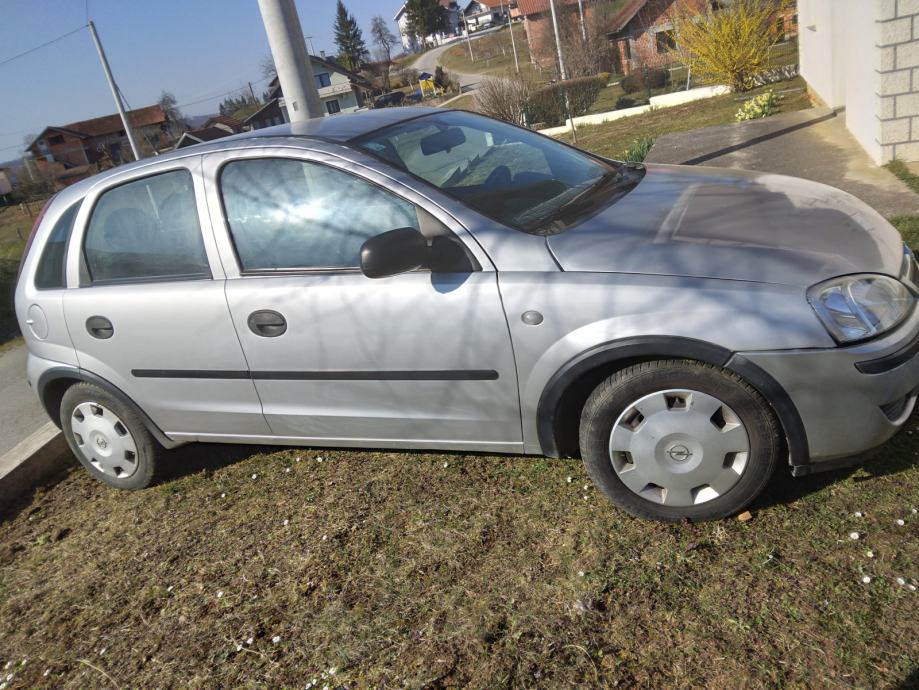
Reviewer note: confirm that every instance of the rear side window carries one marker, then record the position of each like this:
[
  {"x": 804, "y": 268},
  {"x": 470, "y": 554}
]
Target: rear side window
[
  {"x": 291, "y": 214},
  {"x": 147, "y": 229},
  {"x": 51, "y": 266}
]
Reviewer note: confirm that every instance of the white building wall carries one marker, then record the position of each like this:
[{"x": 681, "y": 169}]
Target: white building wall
[{"x": 863, "y": 55}]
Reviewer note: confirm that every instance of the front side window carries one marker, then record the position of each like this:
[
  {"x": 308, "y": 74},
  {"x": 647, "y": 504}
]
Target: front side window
[
  {"x": 507, "y": 173},
  {"x": 146, "y": 230},
  {"x": 293, "y": 214}
]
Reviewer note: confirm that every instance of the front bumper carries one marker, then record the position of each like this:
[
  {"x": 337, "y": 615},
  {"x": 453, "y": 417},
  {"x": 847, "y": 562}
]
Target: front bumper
[{"x": 850, "y": 399}]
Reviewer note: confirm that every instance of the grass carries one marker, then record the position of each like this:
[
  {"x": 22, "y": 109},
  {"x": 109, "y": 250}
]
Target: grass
[
  {"x": 612, "y": 138},
  {"x": 428, "y": 570},
  {"x": 493, "y": 55},
  {"x": 14, "y": 230}
]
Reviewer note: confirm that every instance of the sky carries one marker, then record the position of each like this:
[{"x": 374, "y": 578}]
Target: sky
[{"x": 197, "y": 49}]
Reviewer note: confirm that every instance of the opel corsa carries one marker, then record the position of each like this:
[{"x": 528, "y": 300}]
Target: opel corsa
[{"x": 421, "y": 278}]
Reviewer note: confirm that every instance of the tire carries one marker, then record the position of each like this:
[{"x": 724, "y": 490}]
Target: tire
[
  {"x": 108, "y": 439},
  {"x": 670, "y": 460}
]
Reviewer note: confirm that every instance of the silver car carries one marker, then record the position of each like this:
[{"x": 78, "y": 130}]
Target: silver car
[{"x": 421, "y": 278}]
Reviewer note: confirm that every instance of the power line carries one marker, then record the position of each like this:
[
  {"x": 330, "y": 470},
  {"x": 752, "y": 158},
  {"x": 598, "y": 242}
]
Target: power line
[
  {"x": 218, "y": 95},
  {"x": 43, "y": 45}
]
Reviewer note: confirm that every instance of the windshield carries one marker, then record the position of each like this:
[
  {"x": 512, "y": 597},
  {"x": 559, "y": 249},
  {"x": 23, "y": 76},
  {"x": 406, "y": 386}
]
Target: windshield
[{"x": 525, "y": 180}]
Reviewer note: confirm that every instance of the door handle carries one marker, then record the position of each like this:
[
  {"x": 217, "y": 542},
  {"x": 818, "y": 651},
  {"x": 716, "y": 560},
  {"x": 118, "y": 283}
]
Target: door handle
[
  {"x": 267, "y": 323},
  {"x": 100, "y": 327}
]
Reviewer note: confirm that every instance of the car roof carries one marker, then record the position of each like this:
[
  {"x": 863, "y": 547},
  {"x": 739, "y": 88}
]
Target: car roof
[{"x": 336, "y": 129}]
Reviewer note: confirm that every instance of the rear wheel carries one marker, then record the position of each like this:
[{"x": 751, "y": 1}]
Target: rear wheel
[
  {"x": 108, "y": 438},
  {"x": 676, "y": 439}
]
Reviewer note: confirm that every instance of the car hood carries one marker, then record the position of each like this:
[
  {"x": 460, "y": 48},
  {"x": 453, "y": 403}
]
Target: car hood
[{"x": 718, "y": 223}]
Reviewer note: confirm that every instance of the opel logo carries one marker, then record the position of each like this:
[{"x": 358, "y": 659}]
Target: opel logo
[{"x": 680, "y": 453}]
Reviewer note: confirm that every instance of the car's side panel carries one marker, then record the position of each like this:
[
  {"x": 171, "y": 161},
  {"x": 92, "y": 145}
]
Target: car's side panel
[{"x": 729, "y": 314}]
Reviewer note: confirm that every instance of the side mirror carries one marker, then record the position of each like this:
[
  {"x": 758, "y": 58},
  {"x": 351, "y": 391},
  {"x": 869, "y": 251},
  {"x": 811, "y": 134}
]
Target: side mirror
[{"x": 394, "y": 252}]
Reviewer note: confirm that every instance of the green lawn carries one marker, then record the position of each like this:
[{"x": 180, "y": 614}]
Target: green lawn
[
  {"x": 493, "y": 55},
  {"x": 612, "y": 138},
  {"x": 439, "y": 571}
]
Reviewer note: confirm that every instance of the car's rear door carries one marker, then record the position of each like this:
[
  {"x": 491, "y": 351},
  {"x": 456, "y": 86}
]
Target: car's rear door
[
  {"x": 420, "y": 359},
  {"x": 146, "y": 308}
]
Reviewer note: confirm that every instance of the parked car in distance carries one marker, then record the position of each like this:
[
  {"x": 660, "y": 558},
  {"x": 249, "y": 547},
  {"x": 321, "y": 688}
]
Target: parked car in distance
[
  {"x": 389, "y": 100},
  {"x": 435, "y": 279}
]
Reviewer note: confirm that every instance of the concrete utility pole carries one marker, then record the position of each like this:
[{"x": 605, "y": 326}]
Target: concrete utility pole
[
  {"x": 510, "y": 24},
  {"x": 115, "y": 94},
  {"x": 468, "y": 40},
  {"x": 561, "y": 68},
  {"x": 285, "y": 37},
  {"x": 581, "y": 13}
]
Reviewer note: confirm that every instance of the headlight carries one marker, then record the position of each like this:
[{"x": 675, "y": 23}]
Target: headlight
[{"x": 860, "y": 306}]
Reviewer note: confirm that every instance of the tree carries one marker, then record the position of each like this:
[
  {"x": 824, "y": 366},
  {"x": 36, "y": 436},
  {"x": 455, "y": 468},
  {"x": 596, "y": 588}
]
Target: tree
[
  {"x": 425, "y": 17},
  {"x": 727, "y": 43},
  {"x": 384, "y": 40},
  {"x": 170, "y": 108},
  {"x": 267, "y": 67},
  {"x": 352, "y": 51}
]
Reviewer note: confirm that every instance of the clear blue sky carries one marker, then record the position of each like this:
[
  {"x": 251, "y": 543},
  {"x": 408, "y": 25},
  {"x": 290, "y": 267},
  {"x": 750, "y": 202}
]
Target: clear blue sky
[{"x": 196, "y": 49}]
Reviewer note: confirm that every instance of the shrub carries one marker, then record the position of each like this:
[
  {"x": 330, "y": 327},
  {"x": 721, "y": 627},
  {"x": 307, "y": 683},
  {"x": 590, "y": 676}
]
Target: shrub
[
  {"x": 625, "y": 102},
  {"x": 757, "y": 107},
  {"x": 547, "y": 105},
  {"x": 638, "y": 150},
  {"x": 636, "y": 81},
  {"x": 505, "y": 99}
]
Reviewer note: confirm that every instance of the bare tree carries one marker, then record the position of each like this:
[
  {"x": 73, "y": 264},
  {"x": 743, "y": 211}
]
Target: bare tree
[
  {"x": 267, "y": 67},
  {"x": 384, "y": 40},
  {"x": 505, "y": 99}
]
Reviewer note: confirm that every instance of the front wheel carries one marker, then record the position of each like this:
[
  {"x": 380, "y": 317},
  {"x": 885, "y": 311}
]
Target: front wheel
[{"x": 676, "y": 439}]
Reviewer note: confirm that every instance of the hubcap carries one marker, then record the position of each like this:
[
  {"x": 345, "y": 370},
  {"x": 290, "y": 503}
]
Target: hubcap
[
  {"x": 679, "y": 447},
  {"x": 103, "y": 440}
]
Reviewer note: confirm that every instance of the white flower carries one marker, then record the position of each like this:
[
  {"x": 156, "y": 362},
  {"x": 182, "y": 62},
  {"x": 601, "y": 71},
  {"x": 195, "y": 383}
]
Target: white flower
[
  {"x": 325, "y": 537},
  {"x": 866, "y": 579},
  {"x": 901, "y": 522},
  {"x": 857, "y": 514},
  {"x": 239, "y": 648},
  {"x": 914, "y": 511},
  {"x": 901, "y": 581},
  {"x": 223, "y": 495},
  {"x": 446, "y": 464},
  {"x": 298, "y": 458},
  {"x": 332, "y": 670},
  {"x": 318, "y": 459},
  {"x": 102, "y": 651},
  {"x": 569, "y": 480},
  {"x": 286, "y": 522},
  {"x": 580, "y": 573},
  {"x": 911, "y": 588},
  {"x": 249, "y": 640},
  {"x": 853, "y": 535},
  {"x": 276, "y": 639},
  {"x": 255, "y": 476},
  {"x": 869, "y": 554},
  {"x": 220, "y": 595},
  {"x": 170, "y": 588},
  {"x": 3, "y": 684},
  {"x": 47, "y": 672}
]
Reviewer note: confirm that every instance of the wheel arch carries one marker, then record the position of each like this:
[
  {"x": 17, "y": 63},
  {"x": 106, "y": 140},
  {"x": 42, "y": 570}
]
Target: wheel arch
[
  {"x": 563, "y": 397},
  {"x": 54, "y": 382}
]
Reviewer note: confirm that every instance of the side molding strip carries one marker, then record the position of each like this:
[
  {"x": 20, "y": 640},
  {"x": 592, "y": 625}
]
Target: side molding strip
[{"x": 325, "y": 375}]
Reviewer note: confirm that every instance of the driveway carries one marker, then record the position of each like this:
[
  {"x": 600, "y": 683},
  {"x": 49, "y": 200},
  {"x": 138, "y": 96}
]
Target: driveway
[
  {"x": 429, "y": 61},
  {"x": 20, "y": 412},
  {"x": 813, "y": 144}
]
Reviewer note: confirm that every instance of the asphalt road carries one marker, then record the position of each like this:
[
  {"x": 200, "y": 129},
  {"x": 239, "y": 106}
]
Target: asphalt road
[
  {"x": 428, "y": 61},
  {"x": 20, "y": 412}
]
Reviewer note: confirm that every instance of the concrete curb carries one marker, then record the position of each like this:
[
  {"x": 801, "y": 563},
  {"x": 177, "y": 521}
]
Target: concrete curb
[{"x": 33, "y": 462}]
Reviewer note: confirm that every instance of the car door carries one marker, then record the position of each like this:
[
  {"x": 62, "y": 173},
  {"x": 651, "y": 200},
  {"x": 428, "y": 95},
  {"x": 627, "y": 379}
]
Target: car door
[
  {"x": 421, "y": 359},
  {"x": 146, "y": 310}
]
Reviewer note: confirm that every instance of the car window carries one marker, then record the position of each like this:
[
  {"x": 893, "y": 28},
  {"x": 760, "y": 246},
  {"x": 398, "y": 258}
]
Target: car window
[
  {"x": 508, "y": 173},
  {"x": 49, "y": 274},
  {"x": 291, "y": 214},
  {"x": 147, "y": 229}
]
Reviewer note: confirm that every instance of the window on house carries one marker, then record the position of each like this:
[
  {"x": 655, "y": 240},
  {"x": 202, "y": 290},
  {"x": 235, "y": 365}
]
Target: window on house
[
  {"x": 323, "y": 79},
  {"x": 627, "y": 49},
  {"x": 332, "y": 106},
  {"x": 292, "y": 214},
  {"x": 146, "y": 230},
  {"x": 665, "y": 41}
]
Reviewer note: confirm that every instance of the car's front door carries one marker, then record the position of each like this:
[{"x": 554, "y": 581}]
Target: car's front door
[
  {"x": 146, "y": 310},
  {"x": 420, "y": 359}
]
